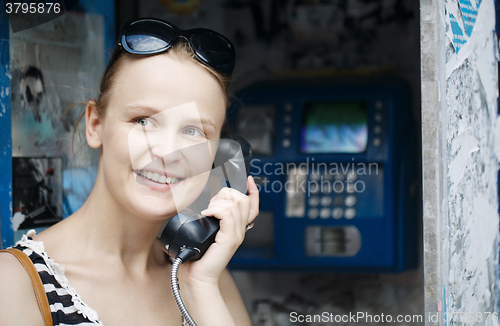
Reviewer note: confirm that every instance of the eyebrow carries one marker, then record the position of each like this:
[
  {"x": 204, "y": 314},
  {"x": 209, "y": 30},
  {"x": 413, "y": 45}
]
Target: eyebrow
[
  {"x": 143, "y": 109},
  {"x": 147, "y": 110}
]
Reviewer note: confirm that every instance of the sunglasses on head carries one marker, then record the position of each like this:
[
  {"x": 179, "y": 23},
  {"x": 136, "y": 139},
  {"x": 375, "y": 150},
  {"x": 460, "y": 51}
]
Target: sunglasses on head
[{"x": 151, "y": 36}]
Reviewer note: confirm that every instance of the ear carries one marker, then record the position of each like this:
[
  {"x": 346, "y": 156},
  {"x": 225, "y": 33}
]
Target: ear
[{"x": 93, "y": 125}]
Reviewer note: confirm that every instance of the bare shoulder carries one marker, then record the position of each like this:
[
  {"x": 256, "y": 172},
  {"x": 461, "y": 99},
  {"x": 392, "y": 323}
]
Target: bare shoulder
[
  {"x": 233, "y": 300},
  {"x": 18, "y": 305}
]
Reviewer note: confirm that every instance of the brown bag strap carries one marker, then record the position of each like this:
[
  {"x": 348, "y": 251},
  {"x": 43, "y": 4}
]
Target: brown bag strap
[{"x": 41, "y": 297}]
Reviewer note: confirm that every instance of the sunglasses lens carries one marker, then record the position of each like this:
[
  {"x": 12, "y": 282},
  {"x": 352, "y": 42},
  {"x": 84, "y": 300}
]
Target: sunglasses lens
[
  {"x": 214, "y": 51},
  {"x": 149, "y": 37}
]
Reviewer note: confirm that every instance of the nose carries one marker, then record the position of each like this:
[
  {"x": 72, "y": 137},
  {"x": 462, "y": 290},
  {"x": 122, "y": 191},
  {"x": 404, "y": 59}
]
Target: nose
[{"x": 163, "y": 144}]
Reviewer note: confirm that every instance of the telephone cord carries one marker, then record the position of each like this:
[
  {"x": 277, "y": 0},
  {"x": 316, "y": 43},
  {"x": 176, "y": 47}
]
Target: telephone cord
[{"x": 177, "y": 293}]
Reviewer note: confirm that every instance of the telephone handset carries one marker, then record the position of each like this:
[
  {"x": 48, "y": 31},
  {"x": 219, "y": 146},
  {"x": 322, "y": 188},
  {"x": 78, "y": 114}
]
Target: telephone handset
[
  {"x": 188, "y": 235},
  {"x": 193, "y": 231}
]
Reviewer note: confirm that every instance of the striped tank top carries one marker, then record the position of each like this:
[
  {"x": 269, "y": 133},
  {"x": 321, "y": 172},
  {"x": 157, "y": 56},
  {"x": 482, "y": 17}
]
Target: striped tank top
[{"x": 66, "y": 306}]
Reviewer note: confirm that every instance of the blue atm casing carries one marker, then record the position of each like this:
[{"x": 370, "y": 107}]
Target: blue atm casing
[{"x": 337, "y": 166}]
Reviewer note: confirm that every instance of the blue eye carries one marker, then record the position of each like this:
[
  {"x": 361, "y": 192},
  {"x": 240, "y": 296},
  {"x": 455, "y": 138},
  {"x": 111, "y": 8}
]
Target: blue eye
[
  {"x": 143, "y": 122},
  {"x": 193, "y": 132}
]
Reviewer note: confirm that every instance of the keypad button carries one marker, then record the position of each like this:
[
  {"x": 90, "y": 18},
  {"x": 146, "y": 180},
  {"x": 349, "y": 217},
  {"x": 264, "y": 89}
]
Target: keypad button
[
  {"x": 314, "y": 189},
  {"x": 378, "y": 117},
  {"x": 325, "y": 213},
  {"x": 327, "y": 176},
  {"x": 337, "y": 213},
  {"x": 377, "y": 142},
  {"x": 379, "y": 105},
  {"x": 313, "y": 213},
  {"x": 287, "y": 131},
  {"x": 326, "y": 201},
  {"x": 352, "y": 176},
  {"x": 286, "y": 143},
  {"x": 377, "y": 129},
  {"x": 339, "y": 176},
  {"x": 287, "y": 118},
  {"x": 350, "y": 188},
  {"x": 288, "y": 106},
  {"x": 326, "y": 188},
  {"x": 315, "y": 176},
  {"x": 314, "y": 201},
  {"x": 350, "y": 213},
  {"x": 338, "y": 187},
  {"x": 350, "y": 201},
  {"x": 338, "y": 201}
]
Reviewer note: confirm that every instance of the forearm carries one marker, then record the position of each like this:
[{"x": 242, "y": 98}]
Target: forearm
[{"x": 206, "y": 305}]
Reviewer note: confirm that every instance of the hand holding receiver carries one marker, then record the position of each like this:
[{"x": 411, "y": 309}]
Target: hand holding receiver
[
  {"x": 188, "y": 235},
  {"x": 193, "y": 231}
]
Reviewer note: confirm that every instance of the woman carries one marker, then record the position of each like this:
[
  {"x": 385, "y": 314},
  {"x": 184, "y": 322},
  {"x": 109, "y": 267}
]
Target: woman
[{"x": 160, "y": 94}]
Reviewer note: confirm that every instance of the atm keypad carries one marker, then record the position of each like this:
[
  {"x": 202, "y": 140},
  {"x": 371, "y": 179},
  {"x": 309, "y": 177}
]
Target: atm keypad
[{"x": 332, "y": 195}]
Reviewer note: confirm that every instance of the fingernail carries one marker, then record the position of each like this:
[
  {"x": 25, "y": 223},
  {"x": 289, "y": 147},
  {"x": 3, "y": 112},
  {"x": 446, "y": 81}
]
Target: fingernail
[{"x": 203, "y": 212}]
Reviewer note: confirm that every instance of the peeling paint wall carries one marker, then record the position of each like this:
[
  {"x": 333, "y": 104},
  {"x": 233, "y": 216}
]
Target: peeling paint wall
[
  {"x": 459, "y": 124},
  {"x": 471, "y": 109}
]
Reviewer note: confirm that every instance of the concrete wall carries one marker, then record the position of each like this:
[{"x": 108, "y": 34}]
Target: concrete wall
[{"x": 459, "y": 114}]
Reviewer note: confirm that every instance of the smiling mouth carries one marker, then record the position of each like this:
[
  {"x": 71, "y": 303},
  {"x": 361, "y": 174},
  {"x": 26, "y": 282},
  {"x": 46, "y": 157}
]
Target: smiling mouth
[{"x": 155, "y": 177}]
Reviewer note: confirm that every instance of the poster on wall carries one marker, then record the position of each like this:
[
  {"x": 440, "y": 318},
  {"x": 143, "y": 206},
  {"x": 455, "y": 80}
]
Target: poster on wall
[
  {"x": 54, "y": 66},
  {"x": 37, "y": 192},
  {"x": 55, "y": 69}
]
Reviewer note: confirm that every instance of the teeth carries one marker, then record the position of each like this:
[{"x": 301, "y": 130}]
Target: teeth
[{"x": 156, "y": 177}]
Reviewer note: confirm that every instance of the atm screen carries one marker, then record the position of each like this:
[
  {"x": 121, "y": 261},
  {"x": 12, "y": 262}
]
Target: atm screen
[{"x": 334, "y": 127}]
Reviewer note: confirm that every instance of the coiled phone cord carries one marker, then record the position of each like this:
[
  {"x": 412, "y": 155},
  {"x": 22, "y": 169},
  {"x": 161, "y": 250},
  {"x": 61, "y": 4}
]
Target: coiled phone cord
[{"x": 175, "y": 287}]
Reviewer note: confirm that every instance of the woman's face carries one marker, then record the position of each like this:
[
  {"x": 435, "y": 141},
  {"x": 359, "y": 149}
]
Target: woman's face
[{"x": 159, "y": 133}]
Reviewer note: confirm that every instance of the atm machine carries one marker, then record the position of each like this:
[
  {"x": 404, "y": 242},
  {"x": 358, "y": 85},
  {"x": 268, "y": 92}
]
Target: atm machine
[{"x": 337, "y": 166}]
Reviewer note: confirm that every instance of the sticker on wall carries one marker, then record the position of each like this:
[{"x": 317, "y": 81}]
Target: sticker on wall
[
  {"x": 37, "y": 192},
  {"x": 31, "y": 91},
  {"x": 462, "y": 16},
  {"x": 181, "y": 7}
]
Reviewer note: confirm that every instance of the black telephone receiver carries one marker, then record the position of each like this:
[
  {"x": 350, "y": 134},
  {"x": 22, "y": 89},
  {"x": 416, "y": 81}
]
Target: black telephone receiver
[{"x": 193, "y": 231}]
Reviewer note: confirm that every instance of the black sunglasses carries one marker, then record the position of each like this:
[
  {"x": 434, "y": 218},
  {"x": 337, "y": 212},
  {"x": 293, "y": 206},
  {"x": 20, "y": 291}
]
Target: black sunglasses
[{"x": 150, "y": 36}]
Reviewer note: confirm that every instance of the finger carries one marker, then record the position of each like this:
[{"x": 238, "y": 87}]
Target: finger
[
  {"x": 253, "y": 194},
  {"x": 231, "y": 224},
  {"x": 226, "y": 209},
  {"x": 217, "y": 206},
  {"x": 228, "y": 193},
  {"x": 242, "y": 200}
]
